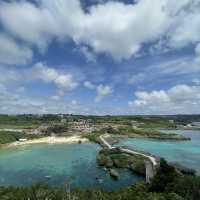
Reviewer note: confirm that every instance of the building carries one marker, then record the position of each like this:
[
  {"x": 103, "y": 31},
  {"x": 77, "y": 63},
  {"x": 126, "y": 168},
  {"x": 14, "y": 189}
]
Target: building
[
  {"x": 136, "y": 123},
  {"x": 81, "y": 126},
  {"x": 40, "y": 130}
]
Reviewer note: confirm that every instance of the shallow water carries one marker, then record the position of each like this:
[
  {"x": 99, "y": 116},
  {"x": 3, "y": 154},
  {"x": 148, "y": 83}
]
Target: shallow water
[
  {"x": 186, "y": 153},
  {"x": 58, "y": 165}
]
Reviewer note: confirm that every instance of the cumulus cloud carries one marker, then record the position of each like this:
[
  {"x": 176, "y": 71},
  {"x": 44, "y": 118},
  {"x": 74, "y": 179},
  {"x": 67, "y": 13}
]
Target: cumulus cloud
[
  {"x": 178, "y": 99},
  {"x": 17, "y": 103},
  {"x": 112, "y": 27},
  {"x": 64, "y": 81},
  {"x": 27, "y": 22},
  {"x": 13, "y": 53},
  {"x": 103, "y": 91},
  {"x": 89, "y": 85},
  {"x": 186, "y": 23}
]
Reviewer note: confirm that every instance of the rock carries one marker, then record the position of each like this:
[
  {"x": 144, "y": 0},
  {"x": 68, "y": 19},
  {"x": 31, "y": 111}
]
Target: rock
[
  {"x": 79, "y": 141},
  {"x": 103, "y": 160},
  {"x": 114, "y": 174}
]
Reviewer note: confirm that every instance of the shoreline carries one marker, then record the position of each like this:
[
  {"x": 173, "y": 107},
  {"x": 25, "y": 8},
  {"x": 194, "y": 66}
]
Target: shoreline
[{"x": 49, "y": 140}]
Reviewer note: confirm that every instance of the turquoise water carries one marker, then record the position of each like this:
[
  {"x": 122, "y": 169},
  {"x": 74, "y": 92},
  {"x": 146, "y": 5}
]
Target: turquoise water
[
  {"x": 58, "y": 164},
  {"x": 184, "y": 152}
]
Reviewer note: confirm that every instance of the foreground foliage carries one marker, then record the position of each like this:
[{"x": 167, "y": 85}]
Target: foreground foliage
[{"x": 42, "y": 192}]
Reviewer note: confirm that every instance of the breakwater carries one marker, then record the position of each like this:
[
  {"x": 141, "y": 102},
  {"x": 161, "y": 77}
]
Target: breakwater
[{"x": 151, "y": 162}]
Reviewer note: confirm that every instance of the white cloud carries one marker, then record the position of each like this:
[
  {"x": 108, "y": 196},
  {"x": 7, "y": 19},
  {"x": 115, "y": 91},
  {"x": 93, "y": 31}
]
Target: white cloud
[
  {"x": 55, "y": 97},
  {"x": 18, "y": 103},
  {"x": 115, "y": 28},
  {"x": 89, "y": 85},
  {"x": 178, "y": 99},
  {"x": 64, "y": 81},
  {"x": 27, "y": 22},
  {"x": 90, "y": 56},
  {"x": 196, "y": 81},
  {"x": 186, "y": 23},
  {"x": 9, "y": 75},
  {"x": 102, "y": 92},
  {"x": 136, "y": 78},
  {"x": 13, "y": 53},
  {"x": 74, "y": 103}
]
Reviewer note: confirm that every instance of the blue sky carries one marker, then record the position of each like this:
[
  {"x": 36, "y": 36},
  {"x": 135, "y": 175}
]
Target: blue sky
[{"x": 100, "y": 57}]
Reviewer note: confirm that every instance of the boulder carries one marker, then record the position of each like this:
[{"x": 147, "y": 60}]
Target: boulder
[{"x": 114, "y": 174}]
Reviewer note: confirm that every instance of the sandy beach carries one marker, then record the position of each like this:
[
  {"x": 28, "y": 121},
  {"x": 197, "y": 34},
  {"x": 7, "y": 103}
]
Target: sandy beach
[{"x": 50, "y": 140}]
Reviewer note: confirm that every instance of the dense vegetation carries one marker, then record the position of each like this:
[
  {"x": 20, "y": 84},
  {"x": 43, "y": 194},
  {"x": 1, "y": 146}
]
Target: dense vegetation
[
  {"x": 149, "y": 133},
  {"x": 8, "y": 137},
  {"x": 26, "y": 121},
  {"x": 130, "y": 131},
  {"x": 167, "y": 185}
]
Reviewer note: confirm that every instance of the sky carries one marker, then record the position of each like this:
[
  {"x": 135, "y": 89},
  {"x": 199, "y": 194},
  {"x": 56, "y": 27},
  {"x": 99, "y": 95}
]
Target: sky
[{"x": 100, "y": 57}]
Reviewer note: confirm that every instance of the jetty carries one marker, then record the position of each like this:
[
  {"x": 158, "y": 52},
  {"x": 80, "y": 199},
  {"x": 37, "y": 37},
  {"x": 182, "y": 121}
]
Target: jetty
[{"x": 150, "y": 162}]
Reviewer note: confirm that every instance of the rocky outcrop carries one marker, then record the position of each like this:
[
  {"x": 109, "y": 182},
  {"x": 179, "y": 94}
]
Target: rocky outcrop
[
  {"x": 104, "y": 160},
  {"x": 114, "y": 173}
]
